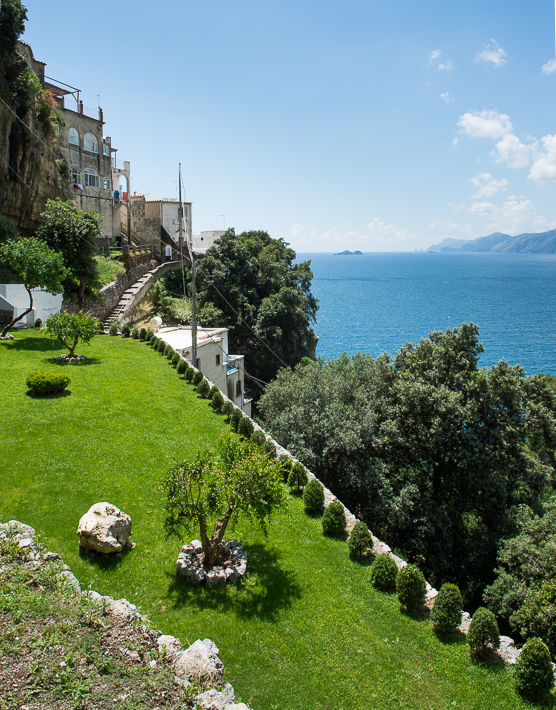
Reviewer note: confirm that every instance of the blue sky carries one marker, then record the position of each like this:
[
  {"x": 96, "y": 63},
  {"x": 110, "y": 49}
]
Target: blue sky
[{"x": 380, "y": 126}]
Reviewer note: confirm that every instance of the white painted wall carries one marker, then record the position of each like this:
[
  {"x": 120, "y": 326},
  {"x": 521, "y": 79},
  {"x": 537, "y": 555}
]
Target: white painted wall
[{"x": 44, "y": 303}]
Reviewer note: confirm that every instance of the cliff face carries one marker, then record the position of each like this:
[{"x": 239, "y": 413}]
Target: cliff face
[{"x": 29, "y": 174}]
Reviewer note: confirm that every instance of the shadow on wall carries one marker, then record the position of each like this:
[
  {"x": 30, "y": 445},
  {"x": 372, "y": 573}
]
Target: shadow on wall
[{"x": 266, "y": 591}]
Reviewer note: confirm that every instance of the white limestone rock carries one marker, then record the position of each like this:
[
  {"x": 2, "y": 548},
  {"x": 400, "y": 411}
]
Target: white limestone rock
[
  {"x": 216, "y": 700},
  {"x": 169, "y": 644},
  {"x": 122, "y": 608},
  {"x": 104, "y": 528},
  {"x": 200, "y": 663}
]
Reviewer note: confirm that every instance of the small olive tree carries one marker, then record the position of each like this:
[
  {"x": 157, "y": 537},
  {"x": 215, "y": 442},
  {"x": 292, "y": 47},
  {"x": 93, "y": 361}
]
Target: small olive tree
[
  {"x": 237, "y": 479},
  {"x": 70, "y": 328},
  {"x": 37, "y": 266}
]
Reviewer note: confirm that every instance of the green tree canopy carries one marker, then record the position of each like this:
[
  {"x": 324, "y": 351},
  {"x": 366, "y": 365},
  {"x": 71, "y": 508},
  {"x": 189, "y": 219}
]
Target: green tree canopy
[
  {"x": 264, "y": 299},
  {"x": 431, "y": 452},
  {"x": 73, "y": 232},
  {"x": 236, "y": 479},
  {"x": 36, "y": 265},
  {"x": 12, "y": 24},
  {"x": 71, "y": 328}
]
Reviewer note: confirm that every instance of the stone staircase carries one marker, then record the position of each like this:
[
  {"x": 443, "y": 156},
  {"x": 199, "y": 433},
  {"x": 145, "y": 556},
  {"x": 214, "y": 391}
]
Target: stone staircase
[{"x": 130, "y": 295}]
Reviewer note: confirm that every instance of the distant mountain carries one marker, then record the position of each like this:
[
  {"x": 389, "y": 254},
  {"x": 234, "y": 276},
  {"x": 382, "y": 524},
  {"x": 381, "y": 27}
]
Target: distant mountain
[
  {"x": 537, "y": 243},
  {"x": 349, "y": 253},
  {"x": 449, "y": 242}
]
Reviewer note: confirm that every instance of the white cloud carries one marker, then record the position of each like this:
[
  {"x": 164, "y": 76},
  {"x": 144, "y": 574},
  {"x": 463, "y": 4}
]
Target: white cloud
[
  {"x": 513, "y": 152},
  {"x": 298, "y": 230},
  {"x": 540, "y": 224},
  {"x": 492, "y": 54},
  {"x": 485, "y": 124},
  {"x": 544, "y": 166},
  {"x": 446, "y": 65},
  {"x": 381, "y": 232},
  {"x": 446, "y": 97},
  {"x": 487, "y": 185},
  {"x": 549, "y": 67},
  {"x": 460, "y": 207},
  {"x": 513, "y": 217},
  {"x": 450, "y": 227}
]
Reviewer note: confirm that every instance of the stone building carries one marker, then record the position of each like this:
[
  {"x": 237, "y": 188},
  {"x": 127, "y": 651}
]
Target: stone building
[{"x": 99, "y": 181}]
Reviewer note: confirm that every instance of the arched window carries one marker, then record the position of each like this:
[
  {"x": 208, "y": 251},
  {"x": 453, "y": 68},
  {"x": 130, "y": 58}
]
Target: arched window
[
  {"x": 238, "y": 388},
  {"x": 90, "y": 143},
  {"x": 73, "y": 136},
  {"x": 91, "y": 177}
]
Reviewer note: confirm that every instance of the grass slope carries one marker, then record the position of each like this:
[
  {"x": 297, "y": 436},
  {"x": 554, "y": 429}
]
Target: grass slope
[{"x": 304, "y": 631}]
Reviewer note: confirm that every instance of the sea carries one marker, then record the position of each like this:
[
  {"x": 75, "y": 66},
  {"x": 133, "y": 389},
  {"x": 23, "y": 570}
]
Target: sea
[{"x": 377, "y": 302}]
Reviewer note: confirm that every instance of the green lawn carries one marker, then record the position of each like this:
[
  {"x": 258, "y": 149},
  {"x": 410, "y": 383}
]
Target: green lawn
[{"x": 304, "y": 631}]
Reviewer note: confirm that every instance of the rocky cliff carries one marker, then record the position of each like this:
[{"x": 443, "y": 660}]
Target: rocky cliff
[{"x": 29, "y": 171}]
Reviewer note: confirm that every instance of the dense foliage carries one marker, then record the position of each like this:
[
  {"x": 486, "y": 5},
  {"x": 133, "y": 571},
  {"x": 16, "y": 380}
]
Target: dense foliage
[
  {"x": 383, "y": 573},
  {"x": 313, "y": 496},
  {"x": 534, "y": 675},
  {"x": 410, "y": 587},
  {"x": 447, "y": 609},
  {"x": 297, "y": 477},
  {"x": 73, "y": 232},
  {"x": 36, "y": 265},
  {"x": 12, "y": 24},
  {"x": 249, "y": 283},
  {"x": 72, "y": 328},
  {"x": 334, "y": 519},
  {"x": 431, "y": 452},
  {"x": 524, "y": 591},
  {"x": 47, "y": 382},
  {"x": 483, "y": 635},
  {"x": 360, "y": 540},
  {"x": 235, "y": 479}
]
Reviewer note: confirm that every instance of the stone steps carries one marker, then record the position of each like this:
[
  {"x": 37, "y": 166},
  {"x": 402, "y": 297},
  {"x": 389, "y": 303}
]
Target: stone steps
[{"x": 126, "y": 297}]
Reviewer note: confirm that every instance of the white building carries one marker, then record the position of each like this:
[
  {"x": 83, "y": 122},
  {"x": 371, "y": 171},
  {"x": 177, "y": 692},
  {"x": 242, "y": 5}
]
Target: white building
[
  {"x": 226, "y": 371},
  {"x": 15, "y": 299}
]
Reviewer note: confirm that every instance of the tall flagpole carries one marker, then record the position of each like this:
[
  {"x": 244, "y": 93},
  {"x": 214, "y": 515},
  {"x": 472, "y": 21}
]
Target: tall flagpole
[{"x": 180, "y": 229}]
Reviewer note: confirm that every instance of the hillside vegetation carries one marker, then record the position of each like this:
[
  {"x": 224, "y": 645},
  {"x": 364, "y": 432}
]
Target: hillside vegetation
[{"x": 304, "y": 631}]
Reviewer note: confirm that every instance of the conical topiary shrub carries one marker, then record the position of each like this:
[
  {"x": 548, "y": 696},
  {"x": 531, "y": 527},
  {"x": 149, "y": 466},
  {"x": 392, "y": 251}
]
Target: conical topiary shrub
[
  {"x": 298, "y": 477},
  {"x": 383, "y": 573},
  {"x": 359, "y": 541},
  {"x": 334, "y": 519},
  {"x": 483, "y": 635},
  {"x": 534, "y": 676},
  {"x": 411, "y": 587},
  {"x": 313, "y": 496},
  {"x": 447, "y": 609}
]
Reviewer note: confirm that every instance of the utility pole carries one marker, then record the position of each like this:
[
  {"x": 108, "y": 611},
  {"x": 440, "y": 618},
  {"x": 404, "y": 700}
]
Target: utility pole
[
  {"x": 194, "y": 292},
  {"x": 180, "y": 240}
]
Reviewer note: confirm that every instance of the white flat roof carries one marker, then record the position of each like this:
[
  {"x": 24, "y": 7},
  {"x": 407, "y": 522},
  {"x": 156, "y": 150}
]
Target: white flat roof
[{"x": 179, "y": 337}]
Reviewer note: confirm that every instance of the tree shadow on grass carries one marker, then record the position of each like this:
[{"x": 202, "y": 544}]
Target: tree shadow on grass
[
  {"x": 455, "y": 638},
  {"x": 36, "y": 343},
  {"x": 56, "y": 395},
  {"x": 71, "y": 365},
  {"x": 267, "y": 589},
  {"x": 103, "y": 561}
]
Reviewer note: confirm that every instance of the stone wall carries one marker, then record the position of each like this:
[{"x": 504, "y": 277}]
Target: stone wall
[{"x": 110, "y": 294}]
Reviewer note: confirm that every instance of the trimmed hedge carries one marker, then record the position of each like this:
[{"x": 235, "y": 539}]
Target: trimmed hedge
[
  {"x": 189, "y": 373},
  {"x": 197, "y": 377},
  {"x": 313, "y": 496},
  {"x": 383, "y": 573},
  {"x": 483, "y": 634},
  {"x": 235, "y": 418},
  {"x": 114, "y": 328},
  {"x": 47, "y": 382},
  {"x": 176, "y": 359},
  {"x": 298, "y": 477},
  {"x": 213, "y": 390},
  {"x": 143, "y": 334},
  {"x": 447, "y": 609},
  {"x": 411, "y": 587},
  {"x": 217, "y": 401},
  {"x": 533, "y": 674},
  {"x": 38, "y": 323},
  {"x": 258, "y": 438},
  {"x": 334, "y": 519},
  {"x": 245, "y": 428},
  {"x": 228, "y": 408},
  {"x": 203, "y": 388},
  {"x": 270, "y": 448},
  {"x": 183, "y": 367},
  {"x": 135, "y": 333},
  {"x": 359, "y": 541},
  {"x": 286, "y": 465}
]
